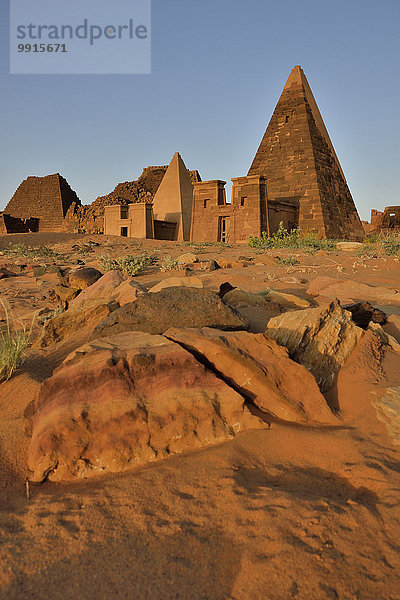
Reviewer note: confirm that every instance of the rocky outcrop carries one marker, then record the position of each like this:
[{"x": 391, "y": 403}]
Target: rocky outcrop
[
  {"x": 75, "y": 321},
  {"x": 113, "y": 286},
  {"x": 260, "y": 370},
  {"x": 119, "y": 402},
  {"x": 363, "y": 313},
  {"x": 321, "y": 339},
  {"x": 83, "y": 277},
  {"x": 172, "y": 307}
]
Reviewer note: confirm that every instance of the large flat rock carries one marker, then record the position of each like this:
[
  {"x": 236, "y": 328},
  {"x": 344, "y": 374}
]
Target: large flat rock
[{"x": 126, "y": 400}]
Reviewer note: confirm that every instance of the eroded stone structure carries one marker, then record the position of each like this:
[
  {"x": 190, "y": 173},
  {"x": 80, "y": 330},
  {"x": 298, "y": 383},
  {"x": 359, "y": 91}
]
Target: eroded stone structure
[
  {"x": 40, "y": 204},
  {"x": 297, "y": 157},
  {"x": 383, "y": 221}
]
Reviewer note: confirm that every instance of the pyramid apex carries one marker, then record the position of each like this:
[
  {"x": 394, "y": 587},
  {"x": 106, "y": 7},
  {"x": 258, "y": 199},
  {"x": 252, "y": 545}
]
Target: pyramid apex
[{"x": 296, "y": 77}]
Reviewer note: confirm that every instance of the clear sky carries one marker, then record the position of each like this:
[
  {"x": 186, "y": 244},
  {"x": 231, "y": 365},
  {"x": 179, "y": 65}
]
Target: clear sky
[{"x": 218, "y": 69}]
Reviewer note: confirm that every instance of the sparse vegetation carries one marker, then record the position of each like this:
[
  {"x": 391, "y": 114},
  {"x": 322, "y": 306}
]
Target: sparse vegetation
[
  {"x": 169, "y": 264},
  {"x": 130, "y": 265},
  {"x": 381, "y": 245},
  {"x": 293, "y": 239},
  {"x": 22, "y": 250},
  {"x": 288, "y": 261},
  {"x": 15, "y": 338}
]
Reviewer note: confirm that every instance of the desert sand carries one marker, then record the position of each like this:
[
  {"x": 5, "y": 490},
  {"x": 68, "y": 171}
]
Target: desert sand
[{"x": 276, "y": 513}]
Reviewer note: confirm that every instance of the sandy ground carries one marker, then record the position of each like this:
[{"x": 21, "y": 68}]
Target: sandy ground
[{"x": 283, "y": 513}]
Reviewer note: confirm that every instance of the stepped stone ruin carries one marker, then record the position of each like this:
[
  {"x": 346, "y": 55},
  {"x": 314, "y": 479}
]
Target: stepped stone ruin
[{"x": 40, "y": 204}]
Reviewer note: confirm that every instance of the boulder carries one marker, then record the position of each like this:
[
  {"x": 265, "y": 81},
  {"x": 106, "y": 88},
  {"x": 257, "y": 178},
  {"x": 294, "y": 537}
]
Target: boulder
[
  {"x": 172, "y": 307},
  {"x": 260, "y": 370},
  {"x": 65, "y": 294},
  {"x": 321, "y": 339},
  {"x": 286, "y": 300},
  {"x": 239, "y": 298},
  {"x": 113, "y": 286},
  {"x": 363, "y": 313},
  {"x": 187, "y": 259},
  {"x": 83, "y": 277},
  {"x": 349, "y": 246},
  {"x": 192, "y": 282},
  {"x": 368, "y": 388},
  {"x": 349, "y": 291},
  {"x": 5, "y": 273},
  {"x": 74, "y": 321},
  {"x": 126, "y": 400},
  {"x": 392, "y": 326}
]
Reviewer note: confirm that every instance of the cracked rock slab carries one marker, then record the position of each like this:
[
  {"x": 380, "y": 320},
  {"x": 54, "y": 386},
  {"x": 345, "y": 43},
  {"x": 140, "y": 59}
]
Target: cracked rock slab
[{"x": 260, "y": 370}]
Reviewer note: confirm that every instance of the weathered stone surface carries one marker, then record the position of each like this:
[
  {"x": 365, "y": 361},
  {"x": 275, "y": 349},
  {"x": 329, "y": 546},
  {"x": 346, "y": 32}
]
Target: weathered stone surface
[
  {"x": 5, "y": 273},
  {"x": 65, "y": 294},
  {"x": 172, "y": 307},
  {"x": 260, "y": 370},
  {"x": 347, "y": 291},
  {"x": 192, "y": 282},
  {"x": 229, "y": 263},
  {"x": 83, "y": 277},
  {"x": 238, "y": 298},
  {"x": 321, "y": 339},
  {"x": 392, "y": 326},
  {"x": 123, "y": 401},
  {"x": 114, "y": 285},
  {"x": 187, "y": 258},
  {"x": 286, "y": 300},
  {"x": 363, "y": 313},
  {"x": 75, "y": 321},
  {"x": 349, "y": 246}
]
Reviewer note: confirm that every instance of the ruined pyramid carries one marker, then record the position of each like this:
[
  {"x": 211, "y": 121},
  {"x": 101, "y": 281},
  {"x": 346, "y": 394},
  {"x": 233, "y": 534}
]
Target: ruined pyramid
[
  {"x": 297, "y": 157},
  {"x": 46, "y": 199},
  {"x": 174, "y": 198}
]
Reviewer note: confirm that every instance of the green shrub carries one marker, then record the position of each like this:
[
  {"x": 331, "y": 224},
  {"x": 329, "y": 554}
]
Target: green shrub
[
  {"x": 14, "y": 341},
  {"x": 293, "y": 239},
  {"x": 130, "y": 265},
  {"x": 169, "y": 264}
]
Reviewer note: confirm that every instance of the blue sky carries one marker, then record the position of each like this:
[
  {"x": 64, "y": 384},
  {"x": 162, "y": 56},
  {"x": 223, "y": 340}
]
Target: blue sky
[{"x": 218, "y": 68}]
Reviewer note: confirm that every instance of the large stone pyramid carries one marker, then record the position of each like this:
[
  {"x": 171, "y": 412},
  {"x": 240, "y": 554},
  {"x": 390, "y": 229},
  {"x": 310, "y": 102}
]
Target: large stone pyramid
[
  {"x": 297, "y": 157},
  {"x": 46, "y": 199},
  {"x": 174, "y": 198}
]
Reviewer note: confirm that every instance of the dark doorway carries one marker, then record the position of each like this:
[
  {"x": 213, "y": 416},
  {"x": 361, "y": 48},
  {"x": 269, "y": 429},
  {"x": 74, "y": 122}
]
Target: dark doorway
[
  {"x": 124, "y": 231},
  {"x": 223, "y": 229}
]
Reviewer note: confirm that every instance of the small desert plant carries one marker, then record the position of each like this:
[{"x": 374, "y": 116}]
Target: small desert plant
[
  {"x": 22, "y": 250},
  {"x": 15, "y": 338},
  {"x": 130, "y": 265},
  {"x": 288, "y": 261},
  {"x": 169, "y": 264},
  {"x": 381, "y": 245},
  {"x": 294, "y": 239}
]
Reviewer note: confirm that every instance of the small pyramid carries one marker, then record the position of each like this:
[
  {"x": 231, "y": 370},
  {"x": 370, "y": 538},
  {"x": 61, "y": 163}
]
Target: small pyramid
[
  {"x": 174, "y": 198},
  {"x": 298, "y": 159},
  {"x": 47, "y": 199}
]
